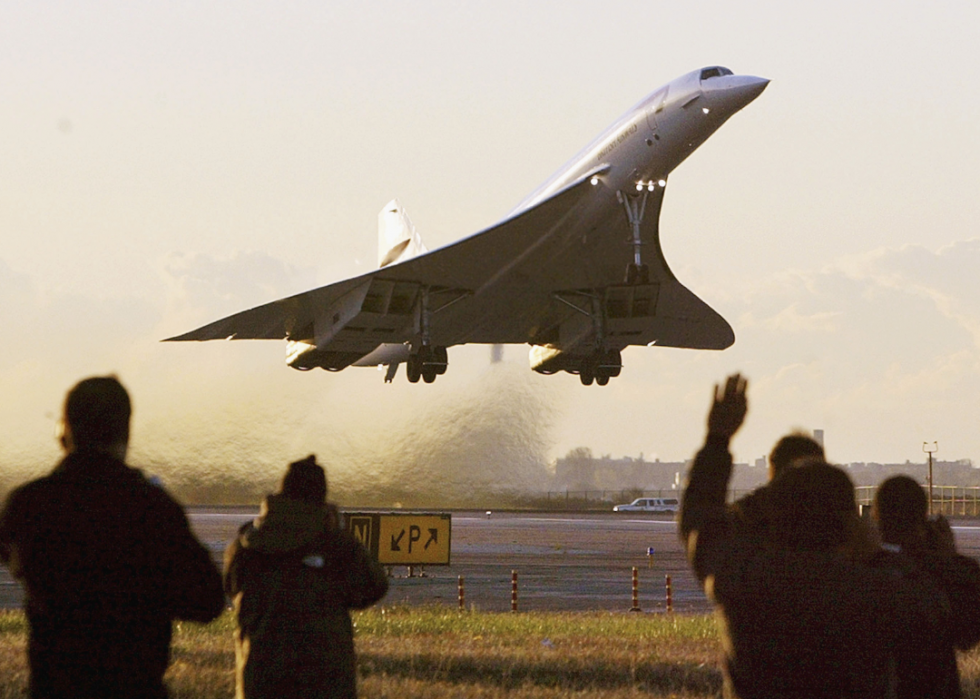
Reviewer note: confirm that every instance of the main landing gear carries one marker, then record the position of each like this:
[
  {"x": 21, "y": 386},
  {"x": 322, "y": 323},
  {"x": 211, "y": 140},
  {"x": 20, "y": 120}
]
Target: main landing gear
[
  {"x": 600, "y": 367},
  {"x": 427, "y": 364}
]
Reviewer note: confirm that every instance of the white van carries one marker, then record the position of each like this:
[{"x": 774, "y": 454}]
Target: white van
[{"x": 650, "y": 505}]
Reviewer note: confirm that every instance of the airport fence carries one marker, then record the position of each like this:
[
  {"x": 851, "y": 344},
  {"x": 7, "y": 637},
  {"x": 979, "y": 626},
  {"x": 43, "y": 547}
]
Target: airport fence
[{"x": 950, "y": 500}]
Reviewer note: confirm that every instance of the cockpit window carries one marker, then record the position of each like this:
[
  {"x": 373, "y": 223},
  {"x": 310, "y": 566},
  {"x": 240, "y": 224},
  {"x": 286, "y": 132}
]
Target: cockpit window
[{"x": 715, "y": 72}]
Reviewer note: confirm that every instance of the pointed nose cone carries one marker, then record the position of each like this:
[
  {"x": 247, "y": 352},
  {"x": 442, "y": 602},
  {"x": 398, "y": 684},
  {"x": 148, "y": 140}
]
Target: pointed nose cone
[
  {"x": 733, "y": 92},
  {"x": 747, "y": 89}
]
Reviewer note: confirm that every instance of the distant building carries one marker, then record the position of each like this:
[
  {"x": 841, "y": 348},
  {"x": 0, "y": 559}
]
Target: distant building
[
  {"x": 949, "y": 473},
  {"x": 579, "y": 470}
]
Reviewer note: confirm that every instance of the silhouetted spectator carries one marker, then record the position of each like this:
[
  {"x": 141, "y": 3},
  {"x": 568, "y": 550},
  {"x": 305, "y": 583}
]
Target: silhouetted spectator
[
  {"x": 752, "y": 510},
  {"x": 294, "y": 574},
  {"x": 923, "y": 551},
  {"x": 107, "y": 560},
  {"x": 799, "y": 619}
]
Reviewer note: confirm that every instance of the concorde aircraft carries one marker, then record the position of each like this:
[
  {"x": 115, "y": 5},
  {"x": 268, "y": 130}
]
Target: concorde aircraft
[{"x": 576, "y": 270}]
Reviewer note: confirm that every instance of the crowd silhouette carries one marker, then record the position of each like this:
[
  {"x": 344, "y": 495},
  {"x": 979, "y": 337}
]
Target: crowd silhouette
[{"x": 812, "y": 602}]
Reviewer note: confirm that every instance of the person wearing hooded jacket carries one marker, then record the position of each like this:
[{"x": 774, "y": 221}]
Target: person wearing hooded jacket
[{"x": 293, "y": 575}]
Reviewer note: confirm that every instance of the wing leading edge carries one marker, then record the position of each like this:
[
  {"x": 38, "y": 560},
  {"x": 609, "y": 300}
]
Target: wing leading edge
[
  {"x": 467, "y": 266},
  {"x": 543, "y": 277}
]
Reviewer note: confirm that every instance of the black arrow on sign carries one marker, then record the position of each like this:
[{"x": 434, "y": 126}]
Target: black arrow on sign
[
  {"x": 395, "y": 542},
  {"x": 433, "y": 538}
]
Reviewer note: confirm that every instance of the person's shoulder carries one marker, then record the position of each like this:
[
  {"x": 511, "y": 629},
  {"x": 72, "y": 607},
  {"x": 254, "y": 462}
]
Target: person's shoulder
[
  {"x": 31, "y": 492},
  {"x": 337, "y": 537},
  {"x": 758, "y": 495},
  {"x": 893, "y": 562},
  {"x": 341, "y": 543},
  {"x": 966, "y": 564},
  {"x": 152, "y": 496},
  {"x": 755, "y": 503},
  {"x": 945, "y": 565},
  {"x": 957, "y": 571},
  {"x": 31, "y": 487}
]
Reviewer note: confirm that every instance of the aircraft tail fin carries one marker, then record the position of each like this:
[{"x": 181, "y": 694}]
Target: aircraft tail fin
[{"x": 397, "y": 238}]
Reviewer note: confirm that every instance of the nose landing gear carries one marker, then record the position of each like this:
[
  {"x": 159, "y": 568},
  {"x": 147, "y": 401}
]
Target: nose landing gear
[{"x": 635, "y": 206}]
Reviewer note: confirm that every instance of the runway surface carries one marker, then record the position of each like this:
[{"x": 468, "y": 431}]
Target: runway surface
[{"x": 564, "y": 562}]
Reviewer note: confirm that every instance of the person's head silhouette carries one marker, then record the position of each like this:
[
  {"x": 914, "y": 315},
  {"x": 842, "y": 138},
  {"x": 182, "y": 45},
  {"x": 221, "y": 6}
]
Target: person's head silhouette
[
  {"x": 305, "y": 480},
  {"x": 96, "y": 417},
  {"x": 793, "y": 449}
]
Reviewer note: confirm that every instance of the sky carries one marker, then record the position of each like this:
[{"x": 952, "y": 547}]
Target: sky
[{"x": 163, "y": 165}]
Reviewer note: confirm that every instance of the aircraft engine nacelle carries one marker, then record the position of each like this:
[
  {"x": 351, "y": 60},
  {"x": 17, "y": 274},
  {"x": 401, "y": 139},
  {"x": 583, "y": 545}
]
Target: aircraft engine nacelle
[
  {"x": 305, "y": 356},
  {"x": 599, "y": 366},
  {"x": 546, "y": 359},
  {"x": 387, "y": 353}
]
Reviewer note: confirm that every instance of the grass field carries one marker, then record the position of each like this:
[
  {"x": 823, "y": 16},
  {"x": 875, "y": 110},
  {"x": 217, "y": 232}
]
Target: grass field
[{"x": 438, "y": 653}]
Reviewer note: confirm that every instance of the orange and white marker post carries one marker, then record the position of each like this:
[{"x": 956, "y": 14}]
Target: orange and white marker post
[
  {"x": 462, "y": 595},
  {"x": 513, "y": 590},
  {"x": 670, "y": 595},
  {"x": 636, "y": 590}
]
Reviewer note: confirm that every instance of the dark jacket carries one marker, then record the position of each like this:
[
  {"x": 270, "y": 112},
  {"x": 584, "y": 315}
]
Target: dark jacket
[
  {"x": 293, "y": 576},
  {"x": 927, "y": 654},
  {"x": 925, "y": 659},
  {"x": 795, "y": 623},
  {"x": 959, "y": 578},
  {"x": 751, "y": 511},
  {"x": 107, "y": 560}
]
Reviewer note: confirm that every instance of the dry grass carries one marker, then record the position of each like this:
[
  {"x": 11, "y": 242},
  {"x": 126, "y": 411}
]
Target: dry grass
[
  {"x": 441, "y": 654},
  {"x": 437, "y": 653}
]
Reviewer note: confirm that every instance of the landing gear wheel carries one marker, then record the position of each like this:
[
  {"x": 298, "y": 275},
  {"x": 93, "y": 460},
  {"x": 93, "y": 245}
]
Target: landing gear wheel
[
  {"x": 612, "y": 363},
  {"x": 637, "y": 274},
  {"x": 414, "y": 369},
  {"x": 601, "y": 380},
  {"x": 441, "y": 358},
  {"x": 586, "y": 372},
  {"x": 430, "y": 362}
]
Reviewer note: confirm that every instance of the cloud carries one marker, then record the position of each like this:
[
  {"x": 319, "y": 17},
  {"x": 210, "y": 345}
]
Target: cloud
[
  {"x": 884, "y": 348},
  {"x": 207, "y": 286},
  {"x": 948, "y": 278}
]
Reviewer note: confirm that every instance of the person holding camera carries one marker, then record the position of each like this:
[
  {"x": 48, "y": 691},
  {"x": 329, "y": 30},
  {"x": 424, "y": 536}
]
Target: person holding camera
[{"x": 293, "y": 575}]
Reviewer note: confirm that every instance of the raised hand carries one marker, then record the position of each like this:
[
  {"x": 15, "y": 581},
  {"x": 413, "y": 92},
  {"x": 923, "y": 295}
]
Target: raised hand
[{"x": 728, "y": 407}]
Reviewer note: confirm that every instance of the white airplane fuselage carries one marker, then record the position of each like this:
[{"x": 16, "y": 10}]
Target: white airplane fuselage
[{"x": 649, "y": 141}]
